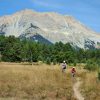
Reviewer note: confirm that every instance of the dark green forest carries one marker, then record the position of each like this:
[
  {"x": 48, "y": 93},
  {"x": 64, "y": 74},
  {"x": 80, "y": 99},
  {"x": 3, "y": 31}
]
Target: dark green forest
[{"x": 13, "y": 49}]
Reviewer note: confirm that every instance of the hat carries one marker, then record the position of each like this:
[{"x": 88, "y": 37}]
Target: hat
[{"x": 64, "y": 61}]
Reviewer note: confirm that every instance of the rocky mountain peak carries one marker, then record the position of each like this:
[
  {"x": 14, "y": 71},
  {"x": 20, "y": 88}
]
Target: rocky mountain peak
[{"x": 51, "y": 26}]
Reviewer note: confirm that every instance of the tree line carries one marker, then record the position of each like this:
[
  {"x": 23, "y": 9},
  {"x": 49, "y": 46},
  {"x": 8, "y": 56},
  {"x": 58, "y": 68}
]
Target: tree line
[{"x": 13, "y": 49}]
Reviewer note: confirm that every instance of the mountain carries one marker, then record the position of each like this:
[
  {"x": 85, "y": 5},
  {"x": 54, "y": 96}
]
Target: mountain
[{"x": 49, "y": 27}]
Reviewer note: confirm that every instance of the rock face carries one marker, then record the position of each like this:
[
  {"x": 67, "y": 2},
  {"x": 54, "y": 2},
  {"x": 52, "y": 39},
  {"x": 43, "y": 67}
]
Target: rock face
[{"x": 52, "y": 27}]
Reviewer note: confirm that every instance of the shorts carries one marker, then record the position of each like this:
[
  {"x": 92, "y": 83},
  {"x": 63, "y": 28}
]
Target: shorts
[
  {"x": 73, "y": 74},
  {"x": 64, "y": 68}
]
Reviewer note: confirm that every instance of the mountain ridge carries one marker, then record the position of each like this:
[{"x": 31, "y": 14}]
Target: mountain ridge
[{"x": 52, "y": 26}]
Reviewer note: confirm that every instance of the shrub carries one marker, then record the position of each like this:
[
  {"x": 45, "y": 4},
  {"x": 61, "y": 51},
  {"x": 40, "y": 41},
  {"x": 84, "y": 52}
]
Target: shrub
[
  {"x": 54, "y": 61},
  {"x": 99, "y": 74},
  {"x": 75, "y": 62},
  {"x": 91, "y": 66},
  {"x": 48, "y": 61}
]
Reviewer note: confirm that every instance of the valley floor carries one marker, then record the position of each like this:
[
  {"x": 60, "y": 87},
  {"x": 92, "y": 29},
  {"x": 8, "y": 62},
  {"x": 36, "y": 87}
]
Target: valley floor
[{"x": 20, "y": 81}]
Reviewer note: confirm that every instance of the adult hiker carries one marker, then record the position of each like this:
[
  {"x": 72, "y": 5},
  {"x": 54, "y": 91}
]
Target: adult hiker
[
  {"x": 73, "y": 71},
  {"x": 64, "y": 66}
]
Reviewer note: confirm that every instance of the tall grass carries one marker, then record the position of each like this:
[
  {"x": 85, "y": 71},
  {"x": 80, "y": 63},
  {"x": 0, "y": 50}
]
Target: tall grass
[
  {"x": 91, "y": 86},
  {"x": 35, "y": 82}
]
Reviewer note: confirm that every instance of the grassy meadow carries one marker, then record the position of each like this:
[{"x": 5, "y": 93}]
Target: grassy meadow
[
  {"x": 34, "y": 82},
  {"x": 20, "y": 81},
  {"x": 91, "y": 86}
]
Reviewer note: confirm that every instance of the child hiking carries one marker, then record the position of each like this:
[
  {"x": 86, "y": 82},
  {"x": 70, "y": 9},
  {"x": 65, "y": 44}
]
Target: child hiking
[{"x": 73, "y": 71}]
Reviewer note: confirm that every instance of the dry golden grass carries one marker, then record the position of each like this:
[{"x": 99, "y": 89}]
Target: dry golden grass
[
  {"x": 37, "y": 82},
  {"x": 44, "y": 82},
  {"x": 90, "y": 86}
]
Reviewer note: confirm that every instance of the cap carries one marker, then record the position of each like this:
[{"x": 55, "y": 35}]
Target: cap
[{"x": 64, "y": 61}]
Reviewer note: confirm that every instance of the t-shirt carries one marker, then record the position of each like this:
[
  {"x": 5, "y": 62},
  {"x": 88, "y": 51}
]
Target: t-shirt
[
  {"x": 64, "y": 65},
  {"x": 73, "y": 70}
]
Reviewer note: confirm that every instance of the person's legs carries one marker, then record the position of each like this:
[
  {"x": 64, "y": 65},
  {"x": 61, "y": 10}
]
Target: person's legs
[
  {"x": 63, "y": 69},
  {"x": 73, "y": 74}
]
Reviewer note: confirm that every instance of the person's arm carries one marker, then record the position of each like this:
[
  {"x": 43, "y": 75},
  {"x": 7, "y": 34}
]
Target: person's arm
[
  {"x": 66, "y": 65},
  {"x": 75, "y": 70}
]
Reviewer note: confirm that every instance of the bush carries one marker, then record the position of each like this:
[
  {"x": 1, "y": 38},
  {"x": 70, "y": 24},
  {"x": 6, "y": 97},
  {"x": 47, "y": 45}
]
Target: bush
[
  {"x": 48, "y": 61},
  {"x": 91, "y": 66},
  {"x": 54, "y": 61},
  {"x": 99, "y": 74},
  {"x": 75, "y": 62}
]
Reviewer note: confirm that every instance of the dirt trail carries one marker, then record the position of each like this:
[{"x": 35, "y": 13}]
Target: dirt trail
[{"x": 77, "y": 93}]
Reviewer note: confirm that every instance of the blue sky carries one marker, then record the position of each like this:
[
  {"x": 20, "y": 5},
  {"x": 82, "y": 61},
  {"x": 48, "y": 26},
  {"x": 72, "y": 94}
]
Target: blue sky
[{"x": 86, "y": 11}]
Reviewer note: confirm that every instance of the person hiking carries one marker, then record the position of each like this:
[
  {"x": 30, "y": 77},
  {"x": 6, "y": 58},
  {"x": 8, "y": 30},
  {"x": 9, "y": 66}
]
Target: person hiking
[
  {"x": 73, "y": 71},
  {"x": 63, "y": 66}
]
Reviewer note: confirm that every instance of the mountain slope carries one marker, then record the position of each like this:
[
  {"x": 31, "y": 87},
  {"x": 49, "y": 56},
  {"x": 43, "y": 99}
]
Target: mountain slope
[{"x": 51, "y": 26}]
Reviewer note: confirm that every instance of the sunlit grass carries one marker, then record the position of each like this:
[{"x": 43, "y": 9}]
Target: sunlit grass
[
  {"x": 35, "y": 82},
  {"x": 91, "y": 86}
]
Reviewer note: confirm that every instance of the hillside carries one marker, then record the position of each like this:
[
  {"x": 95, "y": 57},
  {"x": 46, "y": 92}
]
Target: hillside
[{"x": 50, "y": 26}]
